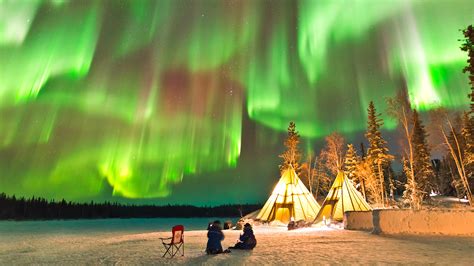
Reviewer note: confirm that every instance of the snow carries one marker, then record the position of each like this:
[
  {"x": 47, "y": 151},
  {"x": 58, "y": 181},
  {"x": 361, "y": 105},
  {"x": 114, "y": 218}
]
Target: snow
[
  {"x": 449, "y": 222},
  {"x": 275, "y": 245},
  {"x": 450, "y": 202},
  {"x": 354, "y": 220},
  {"x": 454, "y": 222}
]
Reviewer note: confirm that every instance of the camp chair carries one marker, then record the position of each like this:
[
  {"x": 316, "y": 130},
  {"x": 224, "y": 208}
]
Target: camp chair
[{"x": 175, "y": 243}]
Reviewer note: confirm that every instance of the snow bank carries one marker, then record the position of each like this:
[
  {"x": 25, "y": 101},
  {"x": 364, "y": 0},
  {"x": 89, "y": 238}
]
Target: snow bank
[
  {"x": 432, "y": 222},
  {"x": 361, "y": 221},
  {"x": 423, "y": 222}
]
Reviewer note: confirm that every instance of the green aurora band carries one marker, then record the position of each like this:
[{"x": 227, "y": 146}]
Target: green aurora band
[{"x": 133, "y": 96}]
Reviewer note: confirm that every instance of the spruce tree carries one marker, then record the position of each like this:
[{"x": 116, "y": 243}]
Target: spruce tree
[
  {"x": 292, "y": 155},
  {"x": 468, "y": 46},
  {"x": 377, "y": 153},
  {"x": 350, "y": 162},
  {"x": 468, "y": 128},
  {"x": 423, "y": 168}
]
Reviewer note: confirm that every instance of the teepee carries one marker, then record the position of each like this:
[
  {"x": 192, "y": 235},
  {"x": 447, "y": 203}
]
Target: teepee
[
  {"x": 342, "y": 197},
  {"x": 290, "y": 200}
]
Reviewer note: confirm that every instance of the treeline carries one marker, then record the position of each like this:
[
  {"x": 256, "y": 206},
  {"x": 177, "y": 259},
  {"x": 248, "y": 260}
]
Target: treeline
[
  {"x": 370, "y": 169},
  {"x": 36, "y": 208}
]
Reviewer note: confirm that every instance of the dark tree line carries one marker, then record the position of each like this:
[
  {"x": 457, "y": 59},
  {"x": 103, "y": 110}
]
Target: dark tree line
[{"x": 36, "y": 208}]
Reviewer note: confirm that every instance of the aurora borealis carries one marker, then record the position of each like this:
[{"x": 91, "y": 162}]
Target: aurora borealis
[{"x": 156, "y": 99}]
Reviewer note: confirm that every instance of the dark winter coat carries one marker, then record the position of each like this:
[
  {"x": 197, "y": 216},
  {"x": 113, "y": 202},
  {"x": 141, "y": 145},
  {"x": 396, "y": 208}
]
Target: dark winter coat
[
  {"x": 214, "y": 238},
  {"x": 247, "y": 240}
]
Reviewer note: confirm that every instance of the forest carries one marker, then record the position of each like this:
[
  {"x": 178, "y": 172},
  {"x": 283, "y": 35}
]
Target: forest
[
  {"x": 371, "y": 168},
  {"x": 37, "y": 208}
]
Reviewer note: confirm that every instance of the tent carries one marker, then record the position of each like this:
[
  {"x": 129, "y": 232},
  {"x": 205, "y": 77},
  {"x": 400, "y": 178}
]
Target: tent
[
  {"x": 289, "y": 200},
  {"x": 342, "y": 197}
]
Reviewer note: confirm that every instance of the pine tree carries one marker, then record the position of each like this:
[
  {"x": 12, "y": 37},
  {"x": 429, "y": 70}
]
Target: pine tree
[
  {"x": 292, "y": 155},
  {"x": 350, "y": 162},
  {"x": 468, "y": 46},
  {"x": 377, "y": 153},
  {"x": 468, "y": 128},
  {"x": 446, "y": 177},
  {"x": 423, "y": 168}
]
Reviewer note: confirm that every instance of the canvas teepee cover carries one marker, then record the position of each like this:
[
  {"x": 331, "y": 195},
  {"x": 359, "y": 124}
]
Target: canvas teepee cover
[
  {"x": 289, "y": 199},
  {"x": 342, "y": 197}
]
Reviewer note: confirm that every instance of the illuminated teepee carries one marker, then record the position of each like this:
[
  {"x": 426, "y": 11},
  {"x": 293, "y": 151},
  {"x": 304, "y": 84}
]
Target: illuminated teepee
[
  {"x": 342, "y": 197},
  {"x": 289, "y": 200}
]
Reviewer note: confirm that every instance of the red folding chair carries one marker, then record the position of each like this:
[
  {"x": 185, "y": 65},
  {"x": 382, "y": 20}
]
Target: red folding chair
[{"x": 175, "y": 243}]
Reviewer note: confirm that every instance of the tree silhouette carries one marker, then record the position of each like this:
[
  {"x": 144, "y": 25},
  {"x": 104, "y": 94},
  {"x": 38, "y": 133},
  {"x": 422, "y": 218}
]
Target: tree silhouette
[
  {"x": 422, "y": 163},
  {"x": 468, "y": 128},
  {"x": 34, "y": 208},
  {"x": 468, "y": 46}
]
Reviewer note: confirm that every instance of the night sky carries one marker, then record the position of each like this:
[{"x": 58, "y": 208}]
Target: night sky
[{"x": 188, "y": 101}]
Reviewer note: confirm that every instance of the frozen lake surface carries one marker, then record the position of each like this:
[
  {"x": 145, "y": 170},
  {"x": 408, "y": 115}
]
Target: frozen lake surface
[{"x": 102, "y": 226}]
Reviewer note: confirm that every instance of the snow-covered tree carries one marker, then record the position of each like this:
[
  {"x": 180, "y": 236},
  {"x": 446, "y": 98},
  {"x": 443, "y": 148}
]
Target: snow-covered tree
[
  {"x": 308, "y": 172},
  {"x": 399, "y": 108},
  {"x": 350, "y": 162},
  {"x": 332, "y": 155},
  {"x": 451, "y": 172},
  {"x": 457, "y": 144},
  {"x": 291, "y": 155},
  {"x": 413, "y": 193},
  {"x": 322, "y": 181},
  {"x": 370, "y": 185},
  {"x": 377, "y": 153}
]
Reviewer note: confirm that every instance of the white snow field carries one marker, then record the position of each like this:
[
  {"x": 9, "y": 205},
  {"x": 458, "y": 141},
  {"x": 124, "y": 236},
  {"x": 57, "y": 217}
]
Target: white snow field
[{"x": 278, "y": 246}]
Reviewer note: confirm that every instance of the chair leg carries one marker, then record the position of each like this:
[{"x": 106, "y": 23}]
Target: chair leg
[
  {"x": 177, "y": 248},
  {"x": 167, "y": 251},
  {"x": 172, "y": 250}
]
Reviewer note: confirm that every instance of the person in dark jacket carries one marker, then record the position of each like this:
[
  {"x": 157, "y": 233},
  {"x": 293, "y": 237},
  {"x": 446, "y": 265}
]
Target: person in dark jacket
[
  {"x": 214, "y": 238},
  {"x": 246, "y": 240}
]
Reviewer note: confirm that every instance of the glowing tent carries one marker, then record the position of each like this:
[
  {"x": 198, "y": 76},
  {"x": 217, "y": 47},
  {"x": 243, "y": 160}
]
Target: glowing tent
[
  {"x": 289, "y": 199},
  {"x": 342, "y": 197}
]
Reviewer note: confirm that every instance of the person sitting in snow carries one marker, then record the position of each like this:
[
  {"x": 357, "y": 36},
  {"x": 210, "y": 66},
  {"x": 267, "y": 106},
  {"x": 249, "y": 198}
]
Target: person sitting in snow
[
  {"x": 214, "y": 239},
  {"x": 247, "y": 240}
]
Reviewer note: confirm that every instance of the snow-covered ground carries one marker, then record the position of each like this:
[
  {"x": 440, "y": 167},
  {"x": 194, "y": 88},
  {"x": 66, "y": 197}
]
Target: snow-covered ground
[{"x": 275, "y": 246}]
